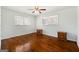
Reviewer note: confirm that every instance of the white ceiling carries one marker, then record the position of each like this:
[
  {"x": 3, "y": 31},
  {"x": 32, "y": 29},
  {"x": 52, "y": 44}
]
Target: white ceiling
[{"x": 24, "y": 9}]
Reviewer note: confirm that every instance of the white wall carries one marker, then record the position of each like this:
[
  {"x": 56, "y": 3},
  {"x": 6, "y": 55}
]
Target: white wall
[
  {"x": 0, "y": 27},
  {"x": 67, "y": 22},
  {"x": 10, "y": 29},
  {"x": 78, "y": 26}
]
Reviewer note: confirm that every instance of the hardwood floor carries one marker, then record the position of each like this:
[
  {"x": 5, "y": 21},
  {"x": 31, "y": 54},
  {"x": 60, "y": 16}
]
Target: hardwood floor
[{"x": 40, "y": 43}]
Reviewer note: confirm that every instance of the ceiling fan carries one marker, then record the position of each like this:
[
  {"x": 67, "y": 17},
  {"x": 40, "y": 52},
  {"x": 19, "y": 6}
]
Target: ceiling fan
[{"x": 37, "y": 9}]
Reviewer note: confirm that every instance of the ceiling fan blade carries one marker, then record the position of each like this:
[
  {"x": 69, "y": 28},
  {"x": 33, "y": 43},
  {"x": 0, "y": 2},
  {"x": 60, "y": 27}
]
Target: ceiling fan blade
[
  {"x": 39, "y": 11},
  {"x": 42, "y": 9},
  {"x": 33, "y": 12}
]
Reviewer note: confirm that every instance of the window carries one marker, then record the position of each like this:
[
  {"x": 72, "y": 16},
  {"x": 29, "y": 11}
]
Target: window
[
  {"x": 26, "y": 21},
  {"x": 20, "y": 20},
  {"x": 50, "y": 20}
]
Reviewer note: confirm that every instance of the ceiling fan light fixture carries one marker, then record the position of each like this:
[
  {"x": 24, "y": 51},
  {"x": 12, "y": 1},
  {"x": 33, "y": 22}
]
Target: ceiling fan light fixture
[{"x": 37, "y": 10}]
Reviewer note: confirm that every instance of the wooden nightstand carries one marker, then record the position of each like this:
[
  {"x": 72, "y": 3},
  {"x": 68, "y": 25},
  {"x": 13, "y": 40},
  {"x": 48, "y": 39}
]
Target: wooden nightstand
[
  {"x": 62, "y": 36},
  {"x": 39, "y": 31}
]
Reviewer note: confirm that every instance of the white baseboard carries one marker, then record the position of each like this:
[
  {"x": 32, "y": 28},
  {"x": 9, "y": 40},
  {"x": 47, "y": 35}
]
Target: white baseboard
[
  {"x": 72, "y": 40},
  {"x": 57, "y": 36}
]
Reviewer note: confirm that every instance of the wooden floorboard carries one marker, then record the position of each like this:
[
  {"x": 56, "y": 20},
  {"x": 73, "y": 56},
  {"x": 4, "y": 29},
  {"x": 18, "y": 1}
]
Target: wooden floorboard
[{"x": 40, "y": 43}]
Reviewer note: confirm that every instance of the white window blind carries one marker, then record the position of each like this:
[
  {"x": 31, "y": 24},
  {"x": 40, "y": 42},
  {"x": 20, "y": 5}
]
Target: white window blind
[
  {"x": 51, "y": 20},
  {"x": 20, "y": 20},
  {"x": 27, "y": 21}
]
